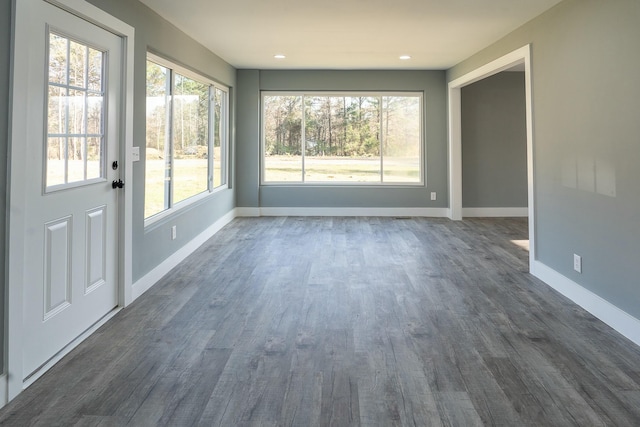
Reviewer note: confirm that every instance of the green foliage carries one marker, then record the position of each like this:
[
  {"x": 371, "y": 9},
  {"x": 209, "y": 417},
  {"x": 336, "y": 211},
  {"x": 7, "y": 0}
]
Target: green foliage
[
  {"x": 74, "y": 110},
  {"x": 190, "y": 112},
  {"x": 156, "y": 79},
  {"x": 283, "y": 125},
  {"x": 190, "y": 115},
  {"x": 344, "y": 126}
]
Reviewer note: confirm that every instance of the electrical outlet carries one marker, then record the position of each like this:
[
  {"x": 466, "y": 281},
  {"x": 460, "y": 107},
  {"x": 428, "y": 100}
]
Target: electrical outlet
[
  {"x": 577, "y": 263},
  {"x": 433, "y": 195},
  {"x": 174, "y": 233}
]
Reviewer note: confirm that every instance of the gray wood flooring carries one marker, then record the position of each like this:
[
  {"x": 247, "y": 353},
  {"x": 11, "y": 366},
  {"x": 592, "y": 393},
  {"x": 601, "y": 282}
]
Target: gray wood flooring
[{"x": 346, "y": 322}]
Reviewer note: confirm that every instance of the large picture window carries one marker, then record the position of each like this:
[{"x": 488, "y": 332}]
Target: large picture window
[
  {"x": 187, "y": 137},
  {"x": 342, "y": 138}
]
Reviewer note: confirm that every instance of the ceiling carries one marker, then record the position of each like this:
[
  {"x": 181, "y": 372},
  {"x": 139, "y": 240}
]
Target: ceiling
[{"x": 347, "y": 34}]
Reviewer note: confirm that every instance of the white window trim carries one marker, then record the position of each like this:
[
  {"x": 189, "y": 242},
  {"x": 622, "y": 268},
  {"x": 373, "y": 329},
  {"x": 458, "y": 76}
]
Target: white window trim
[
  {"x": 224, "y": 144},
  {"x": 302, "y": 183}
]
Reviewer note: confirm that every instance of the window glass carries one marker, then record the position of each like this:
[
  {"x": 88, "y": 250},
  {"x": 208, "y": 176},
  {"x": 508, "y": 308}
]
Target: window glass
[
  {"x": 219, "y": 135},
  {"x": 283, "y": 138},
  {"x": 190, "y": 138},
  {"x": 401, "y": 138},
  {"x": 157, "y": 156},
  {"x": 350, "y": 138},
  {"x": 186, "y": 138},
  {"x": 75, "y": 113},
  {"x": 342, "y": 139}
]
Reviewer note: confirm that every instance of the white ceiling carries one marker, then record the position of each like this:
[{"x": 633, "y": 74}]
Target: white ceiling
[{"x": 347, "y": 34}]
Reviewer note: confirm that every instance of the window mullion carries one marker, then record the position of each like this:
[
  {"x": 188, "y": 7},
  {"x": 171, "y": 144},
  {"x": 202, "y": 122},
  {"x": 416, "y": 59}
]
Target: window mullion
[
  {"x": 66, "y": 120},
  {"x": 168, "y": 146},
  {"x": 211, "y": 137},
  {"x": 303, "y": 141},
  {"x": 224, "y": 142},
  {"x": 381, "y": 142},
  {"x": 85, "y": 113}
]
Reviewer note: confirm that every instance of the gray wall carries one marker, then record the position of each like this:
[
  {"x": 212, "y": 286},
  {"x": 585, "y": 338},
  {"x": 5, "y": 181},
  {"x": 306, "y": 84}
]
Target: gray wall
[
  {"x": 154, "y": 245},
  {"x": 5, "y": 67},
  {"x": 247, "y": 138},
  {"x": 586, "y": 114},
  {"x": 251, "y": 194},
  {"x": 494, "y": 142}
]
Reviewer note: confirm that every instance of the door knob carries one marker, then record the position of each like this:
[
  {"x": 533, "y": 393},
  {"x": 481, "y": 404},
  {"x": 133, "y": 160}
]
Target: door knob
[{"x": 117, "y": 184}]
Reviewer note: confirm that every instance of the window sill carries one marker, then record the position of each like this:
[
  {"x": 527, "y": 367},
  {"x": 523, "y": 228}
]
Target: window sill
[
  {"x": 361, "y": 185},
  {"x": 158, "y": 219}
]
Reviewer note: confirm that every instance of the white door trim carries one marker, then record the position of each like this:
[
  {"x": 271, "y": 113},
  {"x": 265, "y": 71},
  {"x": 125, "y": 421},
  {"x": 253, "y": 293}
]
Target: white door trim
[
  {"x": 518, "y": 56},
  {"x": 16, "y": 229}
]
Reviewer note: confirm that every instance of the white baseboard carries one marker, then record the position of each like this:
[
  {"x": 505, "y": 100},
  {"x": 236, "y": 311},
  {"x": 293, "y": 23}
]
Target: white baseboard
[
  {"x": 494, "y": 212},
  {"x": 613, "y": 316},
  {"x": 324, "y": 211},
  {"x": 151, "y": 278},
  {"x": 4, "y": 388},
  {"x": 247, "y": 212}
]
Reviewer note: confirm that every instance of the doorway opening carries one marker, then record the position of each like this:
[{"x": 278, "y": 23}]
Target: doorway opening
[{"x": 520, "y": 58}]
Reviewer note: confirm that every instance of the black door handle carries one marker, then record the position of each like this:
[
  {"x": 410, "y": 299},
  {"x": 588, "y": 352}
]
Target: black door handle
[{"x": 117, "y": 184}]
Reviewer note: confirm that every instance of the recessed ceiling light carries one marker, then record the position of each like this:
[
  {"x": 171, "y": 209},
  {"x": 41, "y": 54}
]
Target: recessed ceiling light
[
  {"x": 279, "y": 56},
  {"x": 405, "y": 57}
]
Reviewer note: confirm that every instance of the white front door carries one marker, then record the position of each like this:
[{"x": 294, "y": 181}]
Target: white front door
[{"x": 71, "y": 209}]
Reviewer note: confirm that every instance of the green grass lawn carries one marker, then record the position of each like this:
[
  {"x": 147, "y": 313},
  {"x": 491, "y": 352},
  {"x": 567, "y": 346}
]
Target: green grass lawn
[
  {"x": 75, "y": 171},
  {"x": 340, "y": 169},
  {"x": 190, "y": 175},
  {"x": 190, "y": 178}
]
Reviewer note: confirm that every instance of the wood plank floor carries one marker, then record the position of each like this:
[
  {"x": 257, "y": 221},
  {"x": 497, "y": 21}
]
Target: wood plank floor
[{"x": 346, "y": 322}]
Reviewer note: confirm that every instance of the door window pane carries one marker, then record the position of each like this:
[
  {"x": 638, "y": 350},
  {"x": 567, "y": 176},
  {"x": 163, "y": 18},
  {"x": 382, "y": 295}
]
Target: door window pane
[
  {"x": 75, "y": 159},
  {"x": 94, "y": 114},
  {"x": 77, "y": 64},
  {"x": 57, "y": 118},
  {"x": 94, "y": 154},
  {"x": 58, "y": 55},
  {"x": 56, "y": 159},
  {"x": 94, "y": 82},
  {"x": 77, "y": 118}
]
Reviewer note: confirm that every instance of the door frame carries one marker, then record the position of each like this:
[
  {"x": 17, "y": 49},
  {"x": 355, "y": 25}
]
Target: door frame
[
  {"x": 16, "y": 260},
  {"x": 518, "y": 56}
]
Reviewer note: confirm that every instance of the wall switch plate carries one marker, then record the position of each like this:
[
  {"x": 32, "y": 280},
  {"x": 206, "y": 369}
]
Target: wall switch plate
[
  {"x": 174, "y": 233},
  {"x": 135, "y": 154},
  {"x": 433, "y": 195},
  {"x": 577, "y": 263}
]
